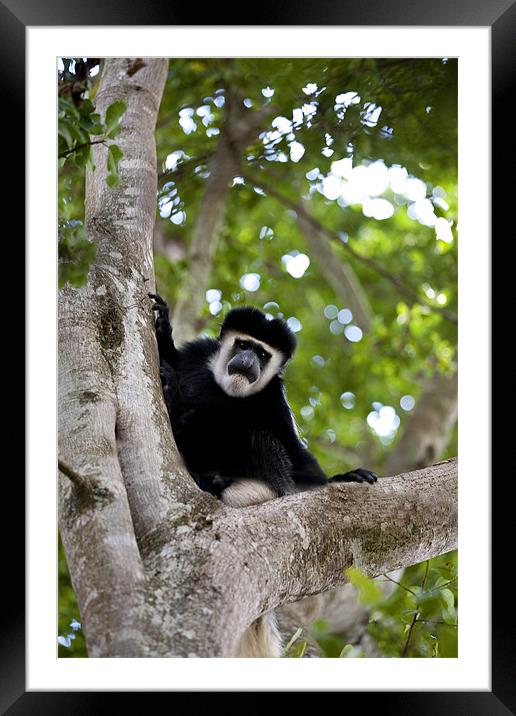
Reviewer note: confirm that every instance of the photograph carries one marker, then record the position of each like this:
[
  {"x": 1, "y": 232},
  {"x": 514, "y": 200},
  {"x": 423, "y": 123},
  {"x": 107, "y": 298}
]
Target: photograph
[
  {"x": 257, "y": 357},
  {"x": 259, "y": 319}
]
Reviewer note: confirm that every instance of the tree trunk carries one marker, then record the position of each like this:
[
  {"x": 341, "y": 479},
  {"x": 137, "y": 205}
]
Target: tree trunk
[{"x": 117, "y": 443}]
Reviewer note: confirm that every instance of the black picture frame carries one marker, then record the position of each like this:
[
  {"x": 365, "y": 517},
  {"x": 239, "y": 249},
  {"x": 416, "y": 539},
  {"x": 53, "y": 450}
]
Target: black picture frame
[{"x": 500, "y": 16}]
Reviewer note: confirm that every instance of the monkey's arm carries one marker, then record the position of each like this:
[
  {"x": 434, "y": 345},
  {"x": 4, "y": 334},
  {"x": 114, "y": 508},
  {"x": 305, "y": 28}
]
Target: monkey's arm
[
  {"x": 306, "y": 471},
  {"x": 166, "y": 347},
  {"x": 170, "y": 387},
  {"x": 270, "y": 462}
]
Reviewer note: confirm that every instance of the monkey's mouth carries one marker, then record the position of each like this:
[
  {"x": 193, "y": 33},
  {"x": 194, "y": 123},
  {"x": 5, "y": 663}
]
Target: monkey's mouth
[{"x": 247, "y": 373}]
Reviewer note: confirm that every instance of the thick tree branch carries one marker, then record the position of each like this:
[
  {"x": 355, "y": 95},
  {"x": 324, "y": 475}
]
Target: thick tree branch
[
  {"x": 399, "y": 521},
  {"x": 120, "y": 221},
  {"x": 281, "y": 551},
  {"x": 99, "y": 540}
]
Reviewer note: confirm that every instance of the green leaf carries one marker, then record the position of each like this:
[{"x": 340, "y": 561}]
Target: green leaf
[
  {"x": 448, "y": 600},
  {"x": 113, "y": 157},
  {"x": 64, "y": 130},
  {"x": 115, "y": 152},
  {"x": 78, "y": 133},
  {"x": 294, "y": 638},
  {"x": 96, "y": 128},
  {"x": 82, "y": 156},
  {"x": 113, "y": 114},
  {"x": 369, "y": 591},
  {"x": 351, "y": 652},
  {"x": 76, "y": 254},
  {"x": 112, "y": 180},
  {"x": 115, "y": 131},
  {"x": 298, "y": 650},
  {"x": 448, "y": 646},
  {"x": 87, "y": 107}
]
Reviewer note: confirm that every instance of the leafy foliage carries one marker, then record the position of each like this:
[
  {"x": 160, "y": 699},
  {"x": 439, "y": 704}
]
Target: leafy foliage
[
  {"x": 71, "y": 639},
  {"x": 76, "y": 254},
  {"x": 79, "y": 128},
  {"x": 419, "y": 619}
]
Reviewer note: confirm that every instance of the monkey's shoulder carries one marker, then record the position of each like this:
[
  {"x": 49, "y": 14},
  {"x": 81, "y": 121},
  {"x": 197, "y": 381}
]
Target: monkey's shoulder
[
  {"x": 195, "y": 377},
  {"x": 197, "y": 353}
]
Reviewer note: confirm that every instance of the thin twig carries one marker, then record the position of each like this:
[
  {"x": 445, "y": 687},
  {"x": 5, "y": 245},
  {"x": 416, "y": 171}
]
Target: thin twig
[
  {"x": 88, "y": 490},
  {"x": 431, "y": 621},
  {"x": 78, "y": 480},
  {"x": 80, "y": 146},
  {"x": 416, "y": 614},
  {"x": 194, "y": 161},
  {"x": 400, "y": 585}
]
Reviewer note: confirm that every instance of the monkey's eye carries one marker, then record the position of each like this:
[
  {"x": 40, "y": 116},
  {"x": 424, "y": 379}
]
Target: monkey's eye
[
  {"x": 262, "y": 355},
  {"x": 239, "y": 343}
]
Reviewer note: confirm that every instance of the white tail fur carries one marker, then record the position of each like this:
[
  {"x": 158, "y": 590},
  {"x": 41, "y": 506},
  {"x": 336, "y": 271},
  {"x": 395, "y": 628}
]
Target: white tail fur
[
  {"x": 262, "y": 638},
  {"x": 247, "y": 492}
]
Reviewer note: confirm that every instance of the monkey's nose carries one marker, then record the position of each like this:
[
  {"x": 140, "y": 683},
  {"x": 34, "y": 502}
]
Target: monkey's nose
[
  {"x": 247, "y": 359},
  {"x": 246, "y": 364}
]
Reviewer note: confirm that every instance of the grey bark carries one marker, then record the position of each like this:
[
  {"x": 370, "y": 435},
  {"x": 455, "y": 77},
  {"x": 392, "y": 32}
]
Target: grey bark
[
  {"x": 240, "y": 128},
  {"x": 159, "y": 567},
  {"x": 107, "y": 358}
]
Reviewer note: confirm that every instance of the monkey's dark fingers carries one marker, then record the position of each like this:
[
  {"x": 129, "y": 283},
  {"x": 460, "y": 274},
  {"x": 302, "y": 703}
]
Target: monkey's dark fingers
[
  {"x": 358, "y": 475},
  {"x": 368, "y": 475},
  {"x": 156, "y": 297},
  {"x": 348, "y": 477},
  {"x": 160, "y": 304}
]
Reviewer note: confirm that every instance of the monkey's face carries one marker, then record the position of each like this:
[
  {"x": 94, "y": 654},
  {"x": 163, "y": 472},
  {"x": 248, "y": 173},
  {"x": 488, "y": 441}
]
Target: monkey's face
[{"x": 244, "y": 365}]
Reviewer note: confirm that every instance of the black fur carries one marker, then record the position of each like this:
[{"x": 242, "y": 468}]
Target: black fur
[{"x": 224, "y": 438}]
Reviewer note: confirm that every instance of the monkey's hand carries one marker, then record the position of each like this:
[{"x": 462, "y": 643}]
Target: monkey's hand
[
  {"x": 167, "y": 350},
  {"x": 357, "y": 475},
  {"x": 162, "y": 310}
]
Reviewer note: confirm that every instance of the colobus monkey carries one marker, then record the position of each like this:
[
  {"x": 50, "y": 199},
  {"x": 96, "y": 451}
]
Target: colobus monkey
[{"x": 233, "y": 425}]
